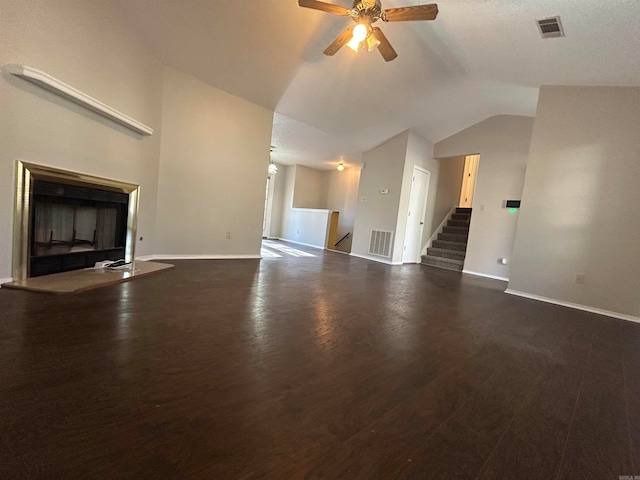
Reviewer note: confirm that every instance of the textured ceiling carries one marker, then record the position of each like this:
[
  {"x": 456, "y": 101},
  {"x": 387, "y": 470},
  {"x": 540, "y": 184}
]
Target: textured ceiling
[{"x": 479, "y": 58}]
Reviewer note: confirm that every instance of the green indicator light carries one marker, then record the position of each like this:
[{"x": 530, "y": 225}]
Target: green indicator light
[{"x": 513, "y": 209}]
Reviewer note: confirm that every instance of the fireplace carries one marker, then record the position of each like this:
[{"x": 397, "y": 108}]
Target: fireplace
[{"x": 67, "y": 221}]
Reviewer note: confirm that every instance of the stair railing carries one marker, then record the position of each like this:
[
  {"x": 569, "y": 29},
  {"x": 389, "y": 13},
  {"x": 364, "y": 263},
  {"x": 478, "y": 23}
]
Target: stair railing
[
  {"x": 437, "y": 231},
  {"x": 343, "y": 238}
]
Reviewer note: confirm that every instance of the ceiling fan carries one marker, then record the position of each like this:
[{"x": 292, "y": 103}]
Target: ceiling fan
[{"x": 365, "y": 13}]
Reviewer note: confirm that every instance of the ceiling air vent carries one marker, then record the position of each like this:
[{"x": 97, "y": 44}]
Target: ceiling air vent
[{"x": 550, "y": 27}]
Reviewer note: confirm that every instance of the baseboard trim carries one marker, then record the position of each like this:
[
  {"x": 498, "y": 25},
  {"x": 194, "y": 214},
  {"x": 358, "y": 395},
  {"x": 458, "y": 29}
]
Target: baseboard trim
[
  {"x": 301, "y": 243},
  {"x": 374, "y": 259},
  {"x": 178, "y": 256},
  {"x": 5, "y": 280},
  {"x": 337, "y": 251},
  {"x": 486, "y": 275},
  {"x": 576, "y": 306}
]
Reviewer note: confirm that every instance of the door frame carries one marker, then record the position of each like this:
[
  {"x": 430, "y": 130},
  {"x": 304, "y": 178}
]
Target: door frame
[
  {"x": 469, "y": 171},
  {"x": 416, "y": 258},
  {"x": 269, "y": 187}
]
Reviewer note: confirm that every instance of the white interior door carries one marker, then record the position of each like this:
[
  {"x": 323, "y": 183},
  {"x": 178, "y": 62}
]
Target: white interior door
[{"x": 415, "y": 218}]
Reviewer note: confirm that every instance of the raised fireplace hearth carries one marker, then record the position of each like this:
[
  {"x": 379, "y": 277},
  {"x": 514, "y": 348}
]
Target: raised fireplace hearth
[{"x": 67, "y": 221}]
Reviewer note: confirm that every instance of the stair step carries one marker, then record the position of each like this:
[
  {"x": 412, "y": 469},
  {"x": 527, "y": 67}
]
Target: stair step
[
  {"x": 463, "y": 210},
  {"x": 443, "y": 244},
  {"x": 444, "y": 253},
  {"x": 458, "y": 223},
  {"x": 461, "y": 216},
  {"x": 445, "y": 263},
  {"x": 452, "y": 237},
  {"x": 456, "y": 230}
]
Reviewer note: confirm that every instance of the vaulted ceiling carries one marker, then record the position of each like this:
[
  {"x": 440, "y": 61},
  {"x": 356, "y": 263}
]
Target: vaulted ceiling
[{"x": 479, "y": 58}]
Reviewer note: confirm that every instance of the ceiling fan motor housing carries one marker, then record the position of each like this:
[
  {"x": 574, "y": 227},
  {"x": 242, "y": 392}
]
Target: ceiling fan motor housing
[{"x": 369, "y": 10}]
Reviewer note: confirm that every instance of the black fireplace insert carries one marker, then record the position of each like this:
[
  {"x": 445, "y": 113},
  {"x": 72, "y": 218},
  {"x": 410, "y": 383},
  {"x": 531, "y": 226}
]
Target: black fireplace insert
[{"x": 73, "y": 227}]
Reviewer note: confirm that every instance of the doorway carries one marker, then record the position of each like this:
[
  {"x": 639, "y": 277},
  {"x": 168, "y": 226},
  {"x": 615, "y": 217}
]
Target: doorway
[
  {"x": 268, "y": 204},
  {"x": 469, "y": 180},
  {"x": 415, "y": 216}
]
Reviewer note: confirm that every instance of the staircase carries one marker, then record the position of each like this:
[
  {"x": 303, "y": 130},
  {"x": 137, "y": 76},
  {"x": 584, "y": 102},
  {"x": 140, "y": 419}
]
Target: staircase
[{"x": 449, "y": 249}]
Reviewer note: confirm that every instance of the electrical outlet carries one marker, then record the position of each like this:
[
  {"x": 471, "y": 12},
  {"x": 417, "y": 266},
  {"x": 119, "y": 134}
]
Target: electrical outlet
[
  {"x": 228, "y": 235},
  {"x": 580, "y": 279}
]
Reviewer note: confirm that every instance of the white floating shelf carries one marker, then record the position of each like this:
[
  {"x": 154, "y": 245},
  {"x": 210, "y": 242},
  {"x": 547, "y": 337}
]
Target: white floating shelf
[{"x": 64, "y": 90}]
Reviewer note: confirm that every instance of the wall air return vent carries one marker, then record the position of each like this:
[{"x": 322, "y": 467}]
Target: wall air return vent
[
  {"x": 550, "y": 27},
  {"x": 380, "y": 243}
]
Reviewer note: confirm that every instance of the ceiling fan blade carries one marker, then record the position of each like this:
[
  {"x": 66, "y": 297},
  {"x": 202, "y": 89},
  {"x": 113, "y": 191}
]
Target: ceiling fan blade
[
  {"x": 325, "y": 7},
  {"x": 385, "y": 48},
  {"x": 417, "y": 12},
  {"x": 339, "y": 42}
]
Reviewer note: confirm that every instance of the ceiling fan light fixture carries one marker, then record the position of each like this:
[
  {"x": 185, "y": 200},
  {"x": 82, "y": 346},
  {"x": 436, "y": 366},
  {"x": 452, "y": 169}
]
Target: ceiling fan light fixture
[
  {"x": 360, "y": 33},
  {"x": 372, "y": 42},
  {"x": 354, "y": 45}
]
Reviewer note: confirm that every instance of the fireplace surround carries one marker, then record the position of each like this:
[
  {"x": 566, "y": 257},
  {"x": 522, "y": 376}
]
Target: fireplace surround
[{"x": 66, "y": 220}]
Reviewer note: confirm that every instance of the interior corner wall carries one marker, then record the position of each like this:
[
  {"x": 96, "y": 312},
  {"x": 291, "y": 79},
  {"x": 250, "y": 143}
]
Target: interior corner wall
[
  {"x": 309, "y": 188},
  {"x": 449, "y": 186},
  {"x": 277, "y": 184},
  {"x": 503, "y": 144},
  {"x": 288, "y": 179},
  {"x": 342, "y": 196},
  {"x": 580, "y": 201},
  {"x": 383, "y": 168},
  {"x": 419, "y": 154},
  {"x": 213, "y": 165},
  {"x": 90, "y": 46}
]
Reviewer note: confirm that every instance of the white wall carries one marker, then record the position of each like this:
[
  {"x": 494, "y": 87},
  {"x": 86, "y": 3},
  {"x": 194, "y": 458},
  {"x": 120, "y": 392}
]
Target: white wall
[
  {"x": 383, "y": 169},
  {"x": 449, "y": 185},
  {"x": 503, "y": 144},
  {"x": 308, "y": 226},
  {"x": 90, "y": 46},
  {"x": 580, "y": 201},
  {"x": 213, "y": 166}
]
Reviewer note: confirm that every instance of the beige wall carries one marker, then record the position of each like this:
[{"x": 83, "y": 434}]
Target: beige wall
[
  {"x": 213, "y": 166},
  {"x": 288, "y": 179},
  {"x": 580, "y": 201},
  {"x": 449, "y": 184},
  {"x": 419, "y": 154},
  {"x": 309, "y": 188},
  {"x": 277, "y": 184},
  {"x": 342, "y": 196},
  {"x": 383, "y": 169},
  {"x": 316, "y": 189},
  {"x": 503, "y": 144},
  {"x": 90, "y": 46}
]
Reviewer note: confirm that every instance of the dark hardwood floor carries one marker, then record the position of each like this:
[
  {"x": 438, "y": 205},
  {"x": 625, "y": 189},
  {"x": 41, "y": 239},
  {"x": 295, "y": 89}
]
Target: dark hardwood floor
[{"x": 325, "y": 367}]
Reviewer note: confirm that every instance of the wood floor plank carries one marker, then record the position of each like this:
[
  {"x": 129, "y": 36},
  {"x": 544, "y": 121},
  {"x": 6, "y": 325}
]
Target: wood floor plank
[
  {"x": 598, "y": 442},
  {"x": 314, "y": 367},
  {"x": 532, "y": 447}
]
